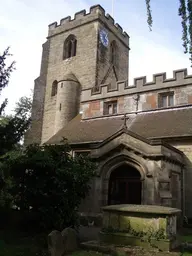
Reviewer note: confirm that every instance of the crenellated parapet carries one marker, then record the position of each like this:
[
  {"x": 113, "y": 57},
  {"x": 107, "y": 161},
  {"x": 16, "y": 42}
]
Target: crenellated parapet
[
  {"x": 160, "y": 81},
  {"x": 96, "y": 12}
]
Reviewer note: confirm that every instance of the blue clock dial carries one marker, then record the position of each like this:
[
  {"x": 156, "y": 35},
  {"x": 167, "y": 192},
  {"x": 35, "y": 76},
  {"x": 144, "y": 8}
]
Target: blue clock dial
[{"x": 104, "y": 37}]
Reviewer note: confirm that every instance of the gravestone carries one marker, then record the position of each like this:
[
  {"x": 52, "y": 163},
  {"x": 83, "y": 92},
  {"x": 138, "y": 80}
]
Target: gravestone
[
  {"x": 70, "y": 239},
  {"x": 63, "y": 242},
  {"x": 55, "y": 243}
]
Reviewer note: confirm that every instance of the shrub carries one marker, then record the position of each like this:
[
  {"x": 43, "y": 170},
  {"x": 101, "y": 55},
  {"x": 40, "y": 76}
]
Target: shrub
[{"x": 48, "y": 185}]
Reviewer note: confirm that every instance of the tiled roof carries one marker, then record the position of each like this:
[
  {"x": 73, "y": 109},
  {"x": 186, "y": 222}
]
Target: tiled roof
[
  {"x": 165, "y": 123},
  {"x": 159, "y": 124}
]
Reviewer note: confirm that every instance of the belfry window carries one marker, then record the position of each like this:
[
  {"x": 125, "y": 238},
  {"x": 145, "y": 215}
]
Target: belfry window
[
  {"x": 113, "y": 52},
  {"x": 70, "y": 47},
  {"x": 54, "y": 88}
]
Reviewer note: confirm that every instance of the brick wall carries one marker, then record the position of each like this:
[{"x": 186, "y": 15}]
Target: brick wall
[{"x": 138, "y": 101}]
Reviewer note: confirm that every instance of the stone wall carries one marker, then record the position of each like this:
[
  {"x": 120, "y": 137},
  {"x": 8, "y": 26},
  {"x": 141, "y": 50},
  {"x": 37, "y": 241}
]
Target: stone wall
[
  {"x": 34, "y": 134},
  {"x": 108, "y": 72},
  {"x": 86, "y": 65},
  {"x": 81, "y": 18},
  {"x": 158, "y": 174},
  {"x": 186, "y": 147},
  {"x": 83, "y": 66},
  {"x": 141, "y": 96}
]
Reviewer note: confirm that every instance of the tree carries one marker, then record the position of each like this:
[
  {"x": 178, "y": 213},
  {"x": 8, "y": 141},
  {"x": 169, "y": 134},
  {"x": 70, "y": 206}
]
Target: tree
[
  {"x": 48, "y": 183},
  {"x": 12, "y": 127},
  {"x": 5, "y": 72},
  {"x": 185, "y": 11},
  {"x": 23, "y": 107}
]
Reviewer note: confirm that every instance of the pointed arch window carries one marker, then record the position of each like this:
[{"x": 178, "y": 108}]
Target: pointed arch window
[
  {"x": 70, "y": 47},
  {"x": 113, "y": 52},
  {"x": 54, "y": 88}
]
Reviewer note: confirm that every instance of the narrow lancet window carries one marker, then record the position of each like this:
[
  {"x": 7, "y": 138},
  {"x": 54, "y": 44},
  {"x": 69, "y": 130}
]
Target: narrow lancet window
[
  {"x": 70, "y": 47},
  {"x": 54, "y": 88}
]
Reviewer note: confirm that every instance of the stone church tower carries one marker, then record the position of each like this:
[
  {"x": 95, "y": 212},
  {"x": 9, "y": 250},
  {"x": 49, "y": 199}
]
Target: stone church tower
[
  {"x": 79, "y": 53},
  {"x": 140, "y": 135}
]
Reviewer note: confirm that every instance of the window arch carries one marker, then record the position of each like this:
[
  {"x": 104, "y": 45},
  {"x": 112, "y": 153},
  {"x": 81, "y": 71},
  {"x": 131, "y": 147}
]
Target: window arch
[
  {"x": 70, "y": 47},
  {"x": 113, "y": 52},
  {"x": 54, "y": 88}
]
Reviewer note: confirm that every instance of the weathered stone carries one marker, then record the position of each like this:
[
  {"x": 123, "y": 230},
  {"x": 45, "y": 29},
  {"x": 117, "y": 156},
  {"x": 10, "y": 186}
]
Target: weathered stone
[
  {"x": 62, "y": 242},
  {"x": 93, "y": 67},
  {"x": 55, "y": 243},
  {"x": 70, "y": 239},
  {"x": 141, "y": 225}
]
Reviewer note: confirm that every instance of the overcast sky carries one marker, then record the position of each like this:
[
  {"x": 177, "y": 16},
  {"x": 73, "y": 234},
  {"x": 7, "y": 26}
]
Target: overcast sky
[{"x": 24, "y": 26}]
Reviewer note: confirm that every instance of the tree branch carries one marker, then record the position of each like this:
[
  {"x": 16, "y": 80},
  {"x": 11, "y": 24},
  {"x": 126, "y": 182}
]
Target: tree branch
[
  {"x": 189, "y": 8},
  {"x": 183, "y": 13},
  {"x": 149, "y": 16}
]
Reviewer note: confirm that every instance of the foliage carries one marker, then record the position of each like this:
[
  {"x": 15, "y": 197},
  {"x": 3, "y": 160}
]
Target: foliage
[
  {"x": 23, "y": 107},
  {"x": 185, "y": 12},
  {"x": 5, "y": 72},
  {"x": 48, "y": 184},
  {"x": 20, "y": 244},
  {"x": 12, "y": 127},
  {"x": 149, "y": 16}
]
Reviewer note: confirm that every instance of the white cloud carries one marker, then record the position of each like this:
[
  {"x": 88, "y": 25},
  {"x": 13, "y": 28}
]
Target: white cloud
[
  {"x": 24, "y": 26},
  {"x": 148, "y": 58}
]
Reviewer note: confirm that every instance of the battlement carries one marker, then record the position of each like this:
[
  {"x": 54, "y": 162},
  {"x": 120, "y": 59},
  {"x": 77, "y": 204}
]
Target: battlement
[
  {"x": 160, "y": 81},
  {"x": 80, "y": 18}
]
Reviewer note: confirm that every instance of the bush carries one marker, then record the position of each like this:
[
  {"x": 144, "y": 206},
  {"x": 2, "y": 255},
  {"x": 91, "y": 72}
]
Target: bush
[{"x": 48, "y": 185}]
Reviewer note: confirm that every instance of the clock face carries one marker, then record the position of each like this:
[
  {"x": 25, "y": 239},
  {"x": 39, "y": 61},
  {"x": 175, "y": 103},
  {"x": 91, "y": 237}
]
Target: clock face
[{"x": 104, "y": 37}]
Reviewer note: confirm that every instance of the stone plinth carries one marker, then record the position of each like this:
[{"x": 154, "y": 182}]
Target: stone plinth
[{"x": 140, "y": 225}]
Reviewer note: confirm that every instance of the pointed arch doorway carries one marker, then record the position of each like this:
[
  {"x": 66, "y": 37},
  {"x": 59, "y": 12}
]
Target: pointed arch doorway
[{"x": 125, "y": 186}]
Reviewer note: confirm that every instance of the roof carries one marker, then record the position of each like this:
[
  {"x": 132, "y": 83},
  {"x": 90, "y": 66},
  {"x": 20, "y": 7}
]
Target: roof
[
  {"x": 165, "y": 123},
  {"x": 157, "y": 124},
  {"x": 78, "y": 131},
  {"x": 70, "y": 77}
]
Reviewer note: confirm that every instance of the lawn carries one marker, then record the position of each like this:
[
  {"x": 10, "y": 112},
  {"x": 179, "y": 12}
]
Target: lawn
[
  {"x": 187, "y": 238},
  {"x": 20, "y": 244}
]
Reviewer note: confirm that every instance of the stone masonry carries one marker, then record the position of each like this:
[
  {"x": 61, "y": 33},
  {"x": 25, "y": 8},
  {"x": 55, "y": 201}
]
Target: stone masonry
[{"x": 90, "y": 79}]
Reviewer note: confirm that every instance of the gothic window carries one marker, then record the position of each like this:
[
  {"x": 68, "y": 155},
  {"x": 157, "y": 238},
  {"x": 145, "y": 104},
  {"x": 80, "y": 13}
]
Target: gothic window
[
  {"x": 70, "y": 47},
  {"x": 166, "y": 100},
  {"x": 110, "y": 108},
  {"x": 113, "y": 52},
  {"x": 54, "y": 88}
]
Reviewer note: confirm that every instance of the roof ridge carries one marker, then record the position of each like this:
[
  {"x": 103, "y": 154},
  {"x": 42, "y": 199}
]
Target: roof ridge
[
  {"x": 102, "y": 118},
  {"x": 164, "y": 110}
]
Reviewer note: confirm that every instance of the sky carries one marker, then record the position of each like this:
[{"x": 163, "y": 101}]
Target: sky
[{"x": 24, "y": 27}]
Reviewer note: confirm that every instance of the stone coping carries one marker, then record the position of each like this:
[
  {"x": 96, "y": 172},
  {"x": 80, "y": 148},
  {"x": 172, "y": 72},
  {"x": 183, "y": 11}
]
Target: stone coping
[{"x": 150, "y": 209}]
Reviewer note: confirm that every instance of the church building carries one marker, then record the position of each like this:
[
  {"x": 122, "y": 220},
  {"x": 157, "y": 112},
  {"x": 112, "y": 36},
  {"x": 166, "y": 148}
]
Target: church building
[{"x": 140, "y": 135}]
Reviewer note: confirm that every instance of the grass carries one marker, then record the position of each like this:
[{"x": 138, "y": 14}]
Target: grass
[
  {"x": 14, "y": 243},
  {"x": 187, "y": 238},
  {"x": 19, "y": 244},
  {"x": 85, "y": 253}
]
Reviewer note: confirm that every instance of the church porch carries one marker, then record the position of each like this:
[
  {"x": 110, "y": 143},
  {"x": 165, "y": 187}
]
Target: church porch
[{"x": 134, "y": 170}]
